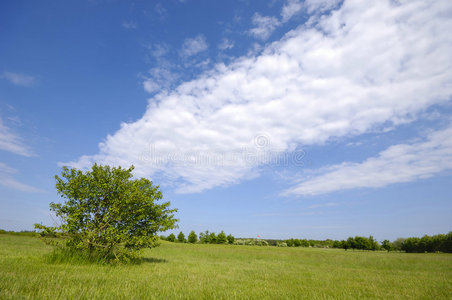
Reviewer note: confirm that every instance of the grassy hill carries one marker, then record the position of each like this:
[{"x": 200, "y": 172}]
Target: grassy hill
[{"x": 186, "y": 271}]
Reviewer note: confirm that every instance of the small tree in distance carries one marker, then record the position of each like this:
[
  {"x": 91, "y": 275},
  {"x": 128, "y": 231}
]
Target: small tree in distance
[
  {"x": 181, "y": 237},
  {"x": 212, "y": 238},
  {"x": 221, "y": 238},
  {"x": 108, "y": 214},
  {"x": 230, "y": 239},
  {"x": 192, "y": 237},
  {"x": 171, "y": 238},
  {"x": 387, "y": 245}
]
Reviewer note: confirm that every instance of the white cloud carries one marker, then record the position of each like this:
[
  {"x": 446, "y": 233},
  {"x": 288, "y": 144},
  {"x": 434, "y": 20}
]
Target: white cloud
[
  {"x": 226, "y": 44},
  {"x": 160, "y": 10},
  {"x": 365, "y": 65},
  {"x": 192, "y": 46},
  {"x": 19, "y": 79},
  {"x": 319, "y": 6},
  {"x": 398, "y": 163},
  {"x": 11, "y": 142},
  {"x": 129, "y": 25},
  {"x": 159, "y": 79},
  {"x": 291, "y": 8},
  {"x": 294, "y": 7},
  {"x": 7, "y": 180},
  {"x": 264, "y": 26},
  {"x": 159, "y": 50}
]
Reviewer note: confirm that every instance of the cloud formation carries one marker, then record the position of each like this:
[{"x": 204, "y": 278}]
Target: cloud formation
[
  {"x": 264, "y": 26},
  {"x": 129, "y": 25},
  {"x": 7, "y": 180},
  {"x": 193, "y": 46},
  {"x": 361, "y": 66},
  {"x": 11, "y": 142},
  {"x": 398, "y": 163},
  {"x": 291, "y": 8},
  {"x": 19, "y": 79}
]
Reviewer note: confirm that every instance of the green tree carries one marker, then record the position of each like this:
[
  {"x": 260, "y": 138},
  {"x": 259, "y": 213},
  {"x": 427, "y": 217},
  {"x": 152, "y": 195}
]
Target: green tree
[
  {"x": 231, "y": 239},
  {"x": 212, "y": 238},
  {"x": 109, "y": 213},
  {"x": 171, "y": 238},
  {"x": 351, "y": 243},
  {"x": 204, "y": 237},
  {"x": 192, "y": 237},
  {"x": 372, "y": 244},
  {"x": 181, "y": 237},
  {"x": 221, "y": 238},
  {"x": 397, "y": 244},
  {"x": 387, "y": 245}
]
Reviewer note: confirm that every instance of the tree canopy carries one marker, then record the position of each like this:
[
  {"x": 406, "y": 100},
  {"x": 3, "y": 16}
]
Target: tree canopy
[{"x": 108, "y": 212}]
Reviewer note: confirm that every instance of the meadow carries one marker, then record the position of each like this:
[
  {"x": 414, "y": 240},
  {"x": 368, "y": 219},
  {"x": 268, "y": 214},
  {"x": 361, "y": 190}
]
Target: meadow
[{"x": 199, "y": 271}]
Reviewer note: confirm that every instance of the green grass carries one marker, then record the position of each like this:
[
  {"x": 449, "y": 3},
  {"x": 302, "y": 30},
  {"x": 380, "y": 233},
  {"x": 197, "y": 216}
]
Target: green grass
[{"x": 185, "y": 271}]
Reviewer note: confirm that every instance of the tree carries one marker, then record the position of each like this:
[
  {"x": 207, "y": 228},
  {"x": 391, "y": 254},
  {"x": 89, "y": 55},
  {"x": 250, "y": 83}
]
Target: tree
[
  {"x": 212, "y": 238},
  {"x": 171, "y": 238},
  {"x": 192, "y": 237},
  {"x": 204, "y": 237},
  {"x": 108, "y": 213},
  {"x": 221, "y": 238},
  {"x": 181, "y": 237},
  {"x": 387, "y": 245},
  {"x": 351, "y": 243},
  {"x": 230, "y": 239},
  {"x": 397, "y": 244},
  {"x": 297, "y": 243}
]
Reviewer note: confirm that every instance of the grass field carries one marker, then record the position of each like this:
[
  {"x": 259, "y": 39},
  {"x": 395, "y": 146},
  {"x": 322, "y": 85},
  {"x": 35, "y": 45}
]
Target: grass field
[{"x": 181, "y": 271}]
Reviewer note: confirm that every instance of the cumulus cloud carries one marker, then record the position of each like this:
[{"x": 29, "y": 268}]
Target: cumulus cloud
[
  {"x": 19, "y": 79},
  {"x": 193, "y": 46},
  {"x": 363, "y": 65},
  {"x": 11, "y": 142},
  {"x": 264, "y": 26},
  {"x": 398, "y": 163},
  {"x": 7, "y": 180}
]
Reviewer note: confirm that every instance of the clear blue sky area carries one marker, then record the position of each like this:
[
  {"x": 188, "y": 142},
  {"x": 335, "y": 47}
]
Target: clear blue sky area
[{"x": 286, "y": 118}]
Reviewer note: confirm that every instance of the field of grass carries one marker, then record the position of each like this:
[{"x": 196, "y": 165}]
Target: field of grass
[{"x": 181, "y": 271}]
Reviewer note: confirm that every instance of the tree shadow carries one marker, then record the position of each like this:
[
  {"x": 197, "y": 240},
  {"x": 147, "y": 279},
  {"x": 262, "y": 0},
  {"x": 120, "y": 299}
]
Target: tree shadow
[{"x": 153, "y": 260}]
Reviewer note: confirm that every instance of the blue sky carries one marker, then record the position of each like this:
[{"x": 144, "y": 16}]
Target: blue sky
[{"x": 285, "y": 118}]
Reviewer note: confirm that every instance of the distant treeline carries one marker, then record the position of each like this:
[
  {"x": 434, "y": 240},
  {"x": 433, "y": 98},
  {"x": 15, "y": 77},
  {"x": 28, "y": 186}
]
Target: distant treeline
[
  {"x": 204, "y": 238},
  {"x": 436, "y": 243},
  {"x": 23, "y": 232}
]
